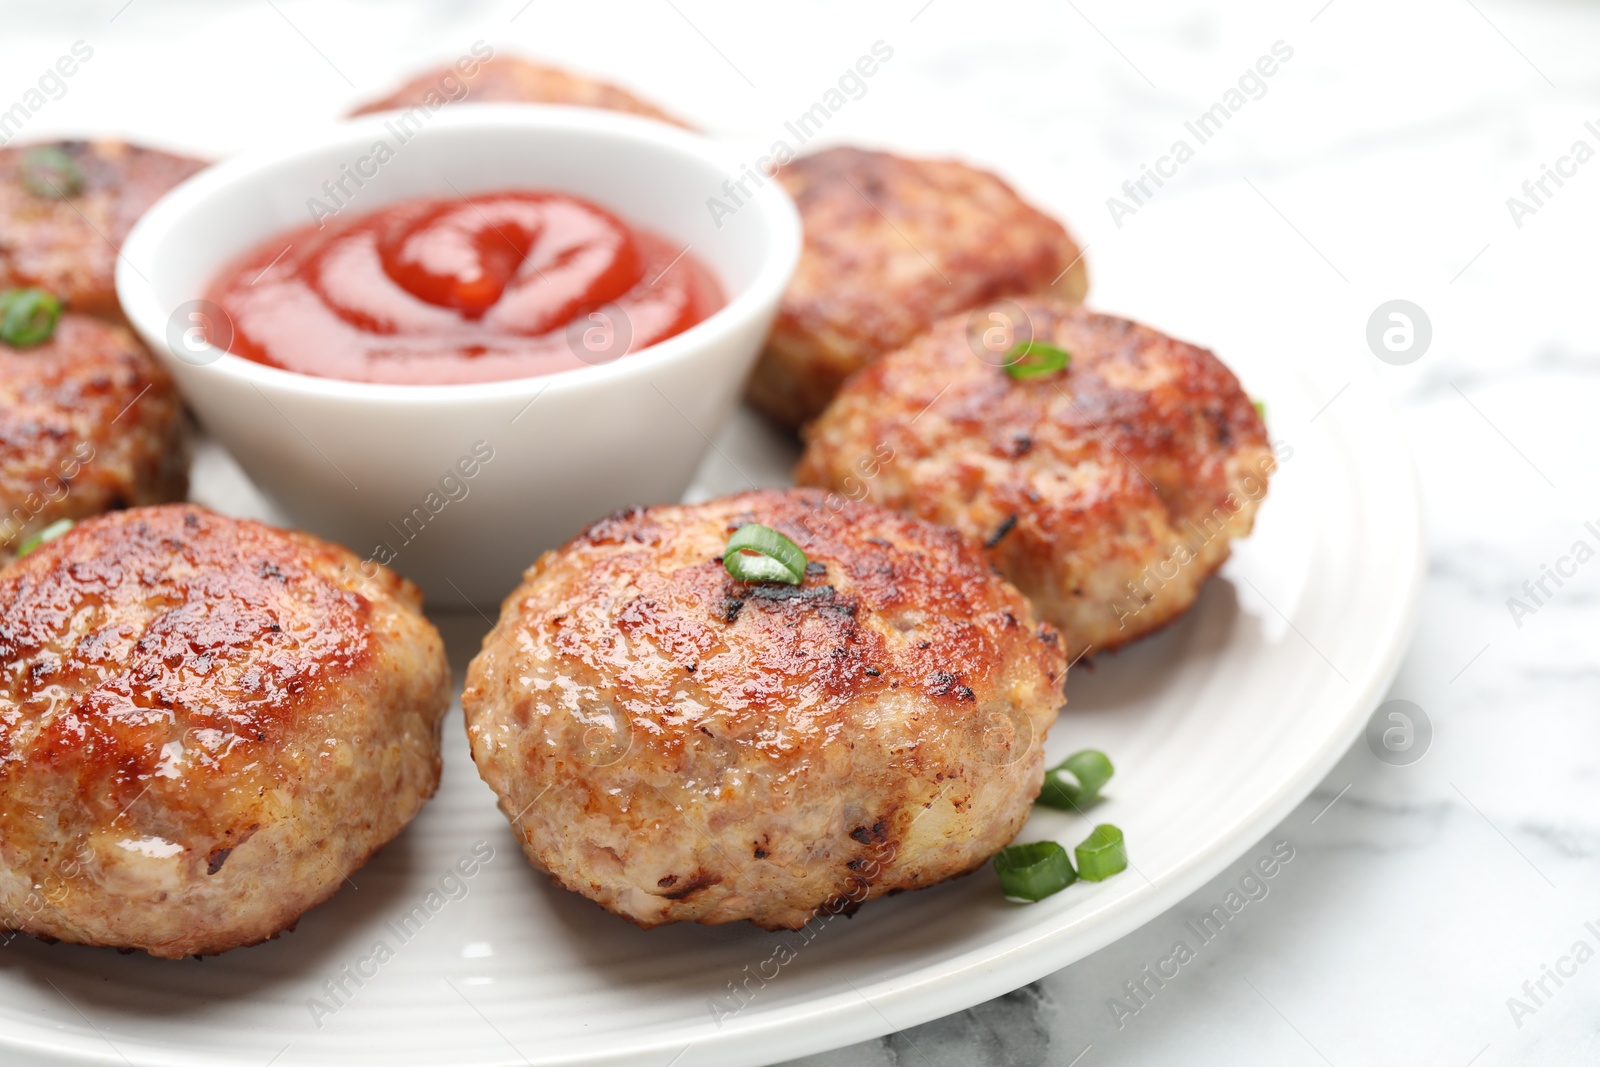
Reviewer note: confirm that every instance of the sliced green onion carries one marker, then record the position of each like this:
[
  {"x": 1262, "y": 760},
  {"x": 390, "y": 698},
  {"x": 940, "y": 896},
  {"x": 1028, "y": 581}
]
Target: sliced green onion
[
  {"x": 45, "y": 536},
  {"x": 1102, "y": 854},
  {"x": 1092, "y": 770},
  {"x": 1035, "y": 359},
  {"x": 49, "y": 172},
  {"x": 1260, "y": 406},
  {"x": 1033, "y": 872},
  {"x": 27, "y": 317},
  {"x": 757, "y": 553}
]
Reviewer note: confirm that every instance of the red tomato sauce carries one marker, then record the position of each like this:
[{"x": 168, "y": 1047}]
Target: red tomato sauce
[{"x": 477, "y": 289}]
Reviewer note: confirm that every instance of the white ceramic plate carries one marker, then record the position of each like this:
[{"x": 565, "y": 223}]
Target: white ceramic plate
[{"x": 1219, "y": 726}]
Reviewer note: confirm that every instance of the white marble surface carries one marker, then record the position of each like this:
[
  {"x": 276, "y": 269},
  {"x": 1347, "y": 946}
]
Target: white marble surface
[{"x": 1376, "y": 166}]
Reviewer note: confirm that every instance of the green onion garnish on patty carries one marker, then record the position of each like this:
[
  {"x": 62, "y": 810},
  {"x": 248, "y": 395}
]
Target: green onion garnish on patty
[
  {"x": 1036, "y": 359},
  {"x": 757, "y": 553},
  {"x": 49, "y": 172},
  {"x": 45, "y": 536},
  {"x": 27, "y": 317}
]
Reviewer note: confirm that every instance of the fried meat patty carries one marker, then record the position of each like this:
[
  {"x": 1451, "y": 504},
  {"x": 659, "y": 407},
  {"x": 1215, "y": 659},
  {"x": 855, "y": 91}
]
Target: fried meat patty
[
  {"x": 89, "y": 422},
  {"x": 892, "y": 245},
  {"x": 510, "y": 80},
  {"x": 1107, "y": 493},
  {"x": 678, "y": 745},
  {"x": 205, "y": 725},
  {"x": 68, "y": 244}
]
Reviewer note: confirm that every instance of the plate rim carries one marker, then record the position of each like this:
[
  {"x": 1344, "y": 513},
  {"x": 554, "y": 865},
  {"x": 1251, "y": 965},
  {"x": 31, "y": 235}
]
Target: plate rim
[
  {"x": 858, "y": 1015},
  {"x": 840, "y": 1018}
]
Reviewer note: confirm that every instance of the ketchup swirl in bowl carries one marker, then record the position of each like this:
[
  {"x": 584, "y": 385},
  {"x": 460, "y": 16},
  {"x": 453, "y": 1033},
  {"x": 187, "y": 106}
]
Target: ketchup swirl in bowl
[{"x": 441, "y": 291}]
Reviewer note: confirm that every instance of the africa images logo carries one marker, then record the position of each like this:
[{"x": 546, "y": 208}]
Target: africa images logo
[{"x": 1251, "y": 85}]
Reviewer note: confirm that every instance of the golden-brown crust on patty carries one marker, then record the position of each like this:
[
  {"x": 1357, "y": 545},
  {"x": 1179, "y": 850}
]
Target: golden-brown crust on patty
[
  {"x": 70, "y": 245},
  {"x": 1107, "y": 493},
  {"x": 220, "y": 719},
  {"x": 892, "y": 245},
  {"x": 89, "y": 422},
  {"x": 679, "y": 745},
  {"x": 511, "y": 80}
]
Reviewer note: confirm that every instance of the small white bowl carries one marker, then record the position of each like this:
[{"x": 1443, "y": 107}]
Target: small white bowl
[{"x": 384, "y": 469}]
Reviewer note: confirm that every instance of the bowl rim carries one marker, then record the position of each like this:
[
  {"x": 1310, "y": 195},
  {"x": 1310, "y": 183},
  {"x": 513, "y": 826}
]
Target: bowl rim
[{"x": 137, "y": 292}]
